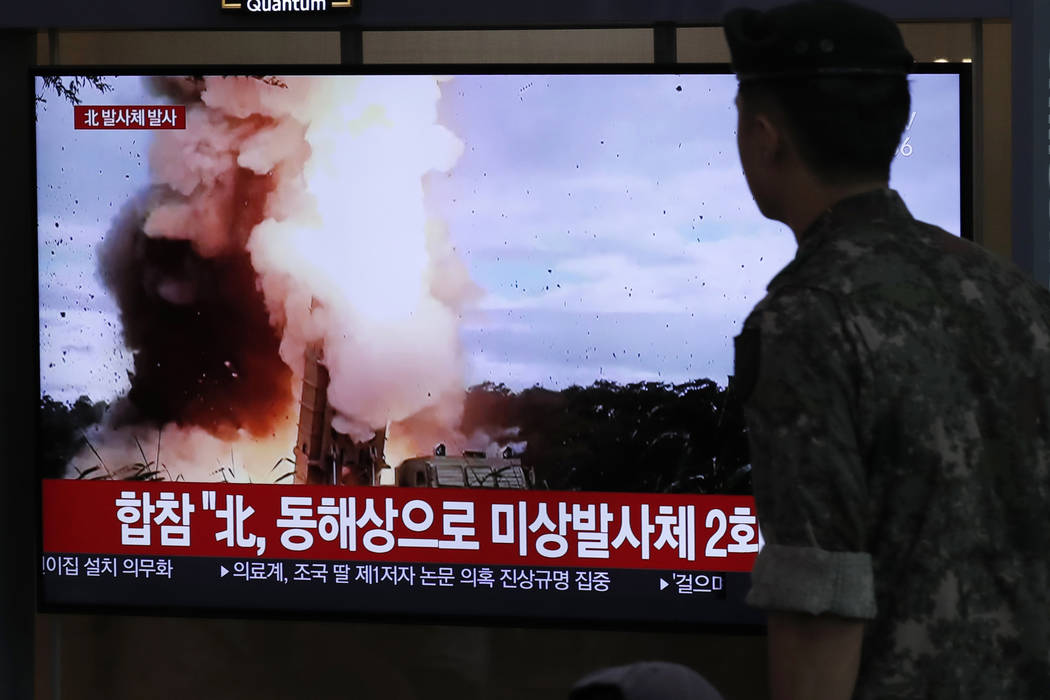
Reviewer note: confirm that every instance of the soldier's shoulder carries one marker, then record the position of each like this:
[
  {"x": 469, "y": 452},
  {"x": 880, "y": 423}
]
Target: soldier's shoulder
[
  {"x": 976, "y": 274},
  {"x": 887, "y": 258},
  {"x": 794, "y": 306}
]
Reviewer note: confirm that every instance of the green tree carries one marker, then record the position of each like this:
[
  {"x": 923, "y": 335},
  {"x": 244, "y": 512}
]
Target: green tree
[
  {"x": 61, "y": 434},
  {"x": 68, "y": 88},
  {"x": 644, "y": 436}
]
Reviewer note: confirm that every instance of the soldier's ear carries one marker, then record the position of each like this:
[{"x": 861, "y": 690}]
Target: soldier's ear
[{"x": 768, "y": 138}]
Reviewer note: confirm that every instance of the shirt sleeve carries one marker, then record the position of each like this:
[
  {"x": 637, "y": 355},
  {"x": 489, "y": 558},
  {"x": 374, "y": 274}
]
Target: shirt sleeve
[{"x": 800, "y": 397}]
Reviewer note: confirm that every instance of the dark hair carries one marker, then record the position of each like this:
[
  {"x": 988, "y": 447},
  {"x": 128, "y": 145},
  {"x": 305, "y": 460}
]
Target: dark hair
[
  {"x": 846, "y": 128},
  {"x": 597, "y": 692}
]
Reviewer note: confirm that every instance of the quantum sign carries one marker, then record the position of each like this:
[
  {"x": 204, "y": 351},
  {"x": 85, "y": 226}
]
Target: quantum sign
[{"x": 285, "y": 6}]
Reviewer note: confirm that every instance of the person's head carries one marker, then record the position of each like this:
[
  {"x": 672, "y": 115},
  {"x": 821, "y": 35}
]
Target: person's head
[
  {"x": 842, "y": 130},
  {"x": 823, "y": 97},
  {"x": 644, "y": 680}
]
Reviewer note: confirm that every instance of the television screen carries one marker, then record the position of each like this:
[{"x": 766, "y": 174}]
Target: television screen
[{"x": 451, "y": 346}]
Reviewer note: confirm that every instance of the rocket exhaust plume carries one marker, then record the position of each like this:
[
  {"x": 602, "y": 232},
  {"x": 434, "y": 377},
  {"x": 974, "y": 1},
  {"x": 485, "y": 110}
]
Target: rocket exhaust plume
[{"x": 289, "y": 213}]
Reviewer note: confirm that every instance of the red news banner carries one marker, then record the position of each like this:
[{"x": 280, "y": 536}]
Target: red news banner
[
  {"x": 129, "y": 116},
  {"x": 388, "y": 524}
]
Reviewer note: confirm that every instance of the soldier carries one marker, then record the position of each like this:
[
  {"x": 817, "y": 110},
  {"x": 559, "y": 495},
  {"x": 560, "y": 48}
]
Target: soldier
[{"x": 896, "y": 386}]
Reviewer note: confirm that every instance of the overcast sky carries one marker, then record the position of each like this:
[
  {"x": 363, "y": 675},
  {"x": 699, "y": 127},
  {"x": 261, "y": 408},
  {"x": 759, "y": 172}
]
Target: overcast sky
[{"x": 605, "y": 218}]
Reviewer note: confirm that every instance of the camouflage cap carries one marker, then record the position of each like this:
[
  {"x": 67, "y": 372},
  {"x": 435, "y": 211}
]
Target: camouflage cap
[{"x": 814, "y": 38}]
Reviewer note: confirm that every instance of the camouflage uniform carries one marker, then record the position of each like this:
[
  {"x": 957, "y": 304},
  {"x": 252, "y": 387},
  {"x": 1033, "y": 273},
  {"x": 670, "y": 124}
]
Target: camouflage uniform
[{"x": 896, "y": 387}]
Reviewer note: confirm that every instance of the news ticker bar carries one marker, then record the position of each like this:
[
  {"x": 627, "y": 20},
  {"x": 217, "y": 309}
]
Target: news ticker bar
[
  {"x": 423, "y": 589},
  {"x": 483, "y": 527}
]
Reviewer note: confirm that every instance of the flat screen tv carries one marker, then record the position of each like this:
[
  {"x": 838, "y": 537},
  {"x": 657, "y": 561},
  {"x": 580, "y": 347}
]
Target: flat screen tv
[{"x": 449, "y": 343}]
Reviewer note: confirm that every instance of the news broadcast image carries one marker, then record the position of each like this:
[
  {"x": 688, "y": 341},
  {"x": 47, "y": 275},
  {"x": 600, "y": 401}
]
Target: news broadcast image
[{"x": 497, "y": 290}]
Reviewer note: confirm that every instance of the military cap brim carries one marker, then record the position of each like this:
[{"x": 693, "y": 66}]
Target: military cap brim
[{"x": 814, "y": 38}]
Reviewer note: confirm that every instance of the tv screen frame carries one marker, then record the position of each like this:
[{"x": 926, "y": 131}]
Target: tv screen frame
[{"x": 751, "y": 623}]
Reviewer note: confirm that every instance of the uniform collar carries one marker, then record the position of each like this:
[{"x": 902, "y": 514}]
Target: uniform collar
[{"x": 846, "y": 216}]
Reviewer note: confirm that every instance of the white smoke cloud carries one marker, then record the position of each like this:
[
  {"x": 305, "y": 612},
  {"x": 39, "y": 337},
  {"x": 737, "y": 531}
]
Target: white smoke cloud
[
  {"x": 345, "y": 253},
  {"x": 355, "y": 263}
]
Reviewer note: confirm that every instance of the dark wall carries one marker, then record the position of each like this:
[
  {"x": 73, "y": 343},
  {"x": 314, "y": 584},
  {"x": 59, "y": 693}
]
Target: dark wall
[
  {"x": 122, "y": 658},
  {"x": 17, "y": 370}
]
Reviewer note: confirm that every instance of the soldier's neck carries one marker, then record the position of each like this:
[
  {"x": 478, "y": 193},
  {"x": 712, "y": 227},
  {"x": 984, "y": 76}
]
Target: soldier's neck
[{"x": 811, "y": 201}]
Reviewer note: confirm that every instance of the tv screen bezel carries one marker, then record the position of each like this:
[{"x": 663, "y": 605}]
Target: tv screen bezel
[{"x": 966, "y": 218}]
